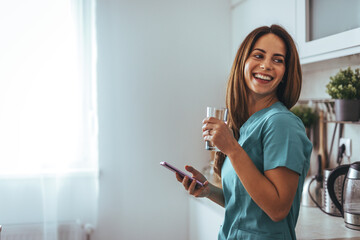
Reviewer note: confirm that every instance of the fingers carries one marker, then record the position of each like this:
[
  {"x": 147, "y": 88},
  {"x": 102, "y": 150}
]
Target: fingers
[
  {"x": 192, "y": 170},
  {"x": 210, "y": 125},
  {"x": 208, "y": 131},
  {"x": 216, "y": 131},
  {"x": 199, "y": 192},
  {"x": 191, "y": 188},
  {"x": 183, "y": 180},
  {"x": 211, "y": 120},
  {"x": 189, "y": 185},
  {"x": 195, "y": 173},
  {"x": 178, "y": 177}
]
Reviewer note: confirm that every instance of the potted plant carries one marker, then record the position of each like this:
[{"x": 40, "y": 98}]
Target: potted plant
[
  {"x": 344, "y": 87},
  {"x": 307, "y": 115}
]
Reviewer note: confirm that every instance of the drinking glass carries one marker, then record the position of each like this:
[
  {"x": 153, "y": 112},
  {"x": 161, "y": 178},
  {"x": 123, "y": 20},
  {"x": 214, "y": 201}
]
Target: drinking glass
[{"x": 219, "y": 113}]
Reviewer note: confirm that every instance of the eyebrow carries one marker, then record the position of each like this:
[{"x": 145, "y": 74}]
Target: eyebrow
[{"x": 276, "y": 54}]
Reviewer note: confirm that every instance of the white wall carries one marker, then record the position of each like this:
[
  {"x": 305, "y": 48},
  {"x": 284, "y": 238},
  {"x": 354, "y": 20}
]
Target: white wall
[
  {"x": 247, "y": 15},
  {"x": 160, "y": 63}
]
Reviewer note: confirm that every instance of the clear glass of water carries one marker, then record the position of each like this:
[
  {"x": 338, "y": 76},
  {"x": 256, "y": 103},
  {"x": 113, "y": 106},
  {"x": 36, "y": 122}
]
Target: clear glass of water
[{"x": 219, "y": 113}]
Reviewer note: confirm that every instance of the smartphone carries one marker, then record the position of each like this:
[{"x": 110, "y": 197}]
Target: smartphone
[{"x": 181, "y": 173}]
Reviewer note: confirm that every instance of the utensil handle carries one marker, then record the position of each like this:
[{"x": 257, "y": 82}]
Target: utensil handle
[
  {"x": 322, "y": 152},
  {"x": 337, "y": 172}
]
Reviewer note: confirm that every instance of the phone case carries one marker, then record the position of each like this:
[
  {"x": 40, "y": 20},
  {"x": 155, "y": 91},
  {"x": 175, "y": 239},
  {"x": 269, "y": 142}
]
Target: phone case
[{"x": 181, "y": 173}]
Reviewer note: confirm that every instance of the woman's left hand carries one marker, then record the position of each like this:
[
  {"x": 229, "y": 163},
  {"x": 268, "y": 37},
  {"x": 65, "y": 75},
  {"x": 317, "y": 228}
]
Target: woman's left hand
[{"x": 217, "y": 132}]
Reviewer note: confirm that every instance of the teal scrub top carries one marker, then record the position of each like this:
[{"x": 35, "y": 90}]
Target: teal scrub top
[{"x": 272, "y": 137}]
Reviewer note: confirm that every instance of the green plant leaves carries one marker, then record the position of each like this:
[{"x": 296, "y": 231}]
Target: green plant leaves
[
  {"x": 307, "y": 115},
  {"x": 345, "y": 84}
]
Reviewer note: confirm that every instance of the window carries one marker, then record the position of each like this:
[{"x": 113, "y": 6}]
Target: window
[
  {"x": 47, "y": 86},
  {"x": 48, "y": 127}
]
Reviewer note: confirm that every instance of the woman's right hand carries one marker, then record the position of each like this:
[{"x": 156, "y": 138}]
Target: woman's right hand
[{"x": 190, "y": 187}]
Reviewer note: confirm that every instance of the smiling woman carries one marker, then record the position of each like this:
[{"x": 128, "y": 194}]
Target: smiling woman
[
  {"x": 264, "y": 152},
  {"x": 47, "y": 112}
]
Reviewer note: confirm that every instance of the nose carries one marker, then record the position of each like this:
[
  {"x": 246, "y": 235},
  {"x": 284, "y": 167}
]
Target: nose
[{"x": 266, "y": 64}]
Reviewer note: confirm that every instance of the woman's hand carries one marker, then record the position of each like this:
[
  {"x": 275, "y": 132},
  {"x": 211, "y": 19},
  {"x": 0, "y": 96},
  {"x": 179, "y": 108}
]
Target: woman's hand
[
  {"x": 191, "y": 187},
  {"x": 217, "y": 132}
]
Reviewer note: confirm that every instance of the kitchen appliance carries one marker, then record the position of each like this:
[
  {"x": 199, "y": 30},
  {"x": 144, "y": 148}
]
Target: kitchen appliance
[
  {"x": 350, "y": 204},
  {"x": 327, "y": 204}
]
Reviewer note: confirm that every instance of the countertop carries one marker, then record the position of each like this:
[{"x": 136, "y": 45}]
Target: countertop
[{"x": 314, "y": 224}]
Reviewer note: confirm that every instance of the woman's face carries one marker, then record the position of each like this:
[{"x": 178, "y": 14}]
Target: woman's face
[{"x": 265, "y": 66}]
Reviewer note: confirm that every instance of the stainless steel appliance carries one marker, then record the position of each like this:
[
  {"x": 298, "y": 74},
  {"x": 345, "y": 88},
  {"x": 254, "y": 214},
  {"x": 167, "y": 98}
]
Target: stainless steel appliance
[
  {"x": 327, "y": 204},
  {"x": 349, "y": 207}
]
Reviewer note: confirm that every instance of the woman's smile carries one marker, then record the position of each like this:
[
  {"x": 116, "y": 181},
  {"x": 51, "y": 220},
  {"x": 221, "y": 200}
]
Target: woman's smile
[{"x": 263, "y": 78}]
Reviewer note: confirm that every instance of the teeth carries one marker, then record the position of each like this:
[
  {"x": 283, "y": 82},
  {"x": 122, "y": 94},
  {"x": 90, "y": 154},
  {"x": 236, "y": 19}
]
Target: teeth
[{"x": 263, "y": 77}]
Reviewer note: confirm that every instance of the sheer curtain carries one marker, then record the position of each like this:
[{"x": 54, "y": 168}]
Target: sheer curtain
[{"x": 48, "y": 115}]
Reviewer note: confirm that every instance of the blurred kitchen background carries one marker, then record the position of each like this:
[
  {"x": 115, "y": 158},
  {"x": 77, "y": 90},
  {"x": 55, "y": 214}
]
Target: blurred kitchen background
[{"x": 95, "y": 93}]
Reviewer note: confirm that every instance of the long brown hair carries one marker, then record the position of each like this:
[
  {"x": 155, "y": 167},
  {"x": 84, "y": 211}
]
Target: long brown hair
[{"x": 288, "y": 92}]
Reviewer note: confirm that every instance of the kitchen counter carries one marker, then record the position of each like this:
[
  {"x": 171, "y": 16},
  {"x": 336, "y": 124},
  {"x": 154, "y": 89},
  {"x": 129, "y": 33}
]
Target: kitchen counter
[
  {"x": 314, "y": 224},
  {"x": 206, "y": 217}
]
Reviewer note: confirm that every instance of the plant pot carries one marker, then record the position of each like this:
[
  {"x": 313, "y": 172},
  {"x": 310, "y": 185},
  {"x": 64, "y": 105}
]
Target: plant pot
[{"x": 347, "y": 110}]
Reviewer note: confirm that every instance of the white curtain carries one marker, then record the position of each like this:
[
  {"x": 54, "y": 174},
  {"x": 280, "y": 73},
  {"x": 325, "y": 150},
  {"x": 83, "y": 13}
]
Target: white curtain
[{"x": 48, "y": 115}]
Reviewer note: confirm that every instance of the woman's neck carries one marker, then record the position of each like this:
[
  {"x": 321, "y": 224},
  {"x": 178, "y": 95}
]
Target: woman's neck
[{"x": 257, "y": 103}]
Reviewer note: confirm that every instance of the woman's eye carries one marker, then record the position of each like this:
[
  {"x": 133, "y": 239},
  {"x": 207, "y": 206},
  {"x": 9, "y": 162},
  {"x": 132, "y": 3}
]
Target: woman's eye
[
  {"x": 258, "y": 56},
  {"x": 278, "y": 60}
]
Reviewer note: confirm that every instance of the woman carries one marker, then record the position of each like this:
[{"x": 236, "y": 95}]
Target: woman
[{"x": 265, "y": 153}]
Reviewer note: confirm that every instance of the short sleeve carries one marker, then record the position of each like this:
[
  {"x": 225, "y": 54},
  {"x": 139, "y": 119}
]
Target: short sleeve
[{"x": 285, "y": 143}]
